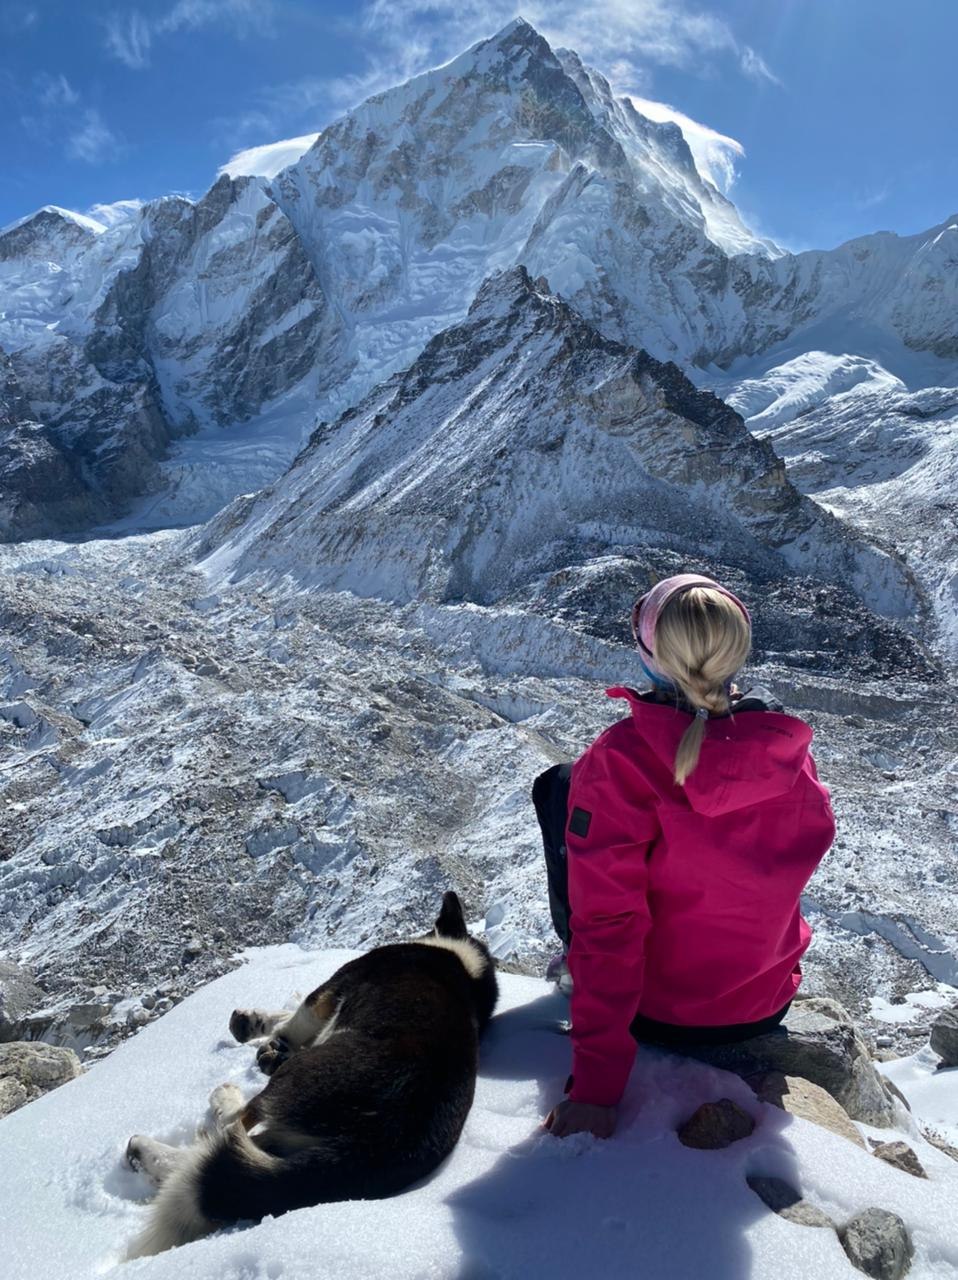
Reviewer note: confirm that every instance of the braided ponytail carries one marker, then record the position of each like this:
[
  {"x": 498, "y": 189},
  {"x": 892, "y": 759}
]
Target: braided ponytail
[{"x": 701, "y": 639}]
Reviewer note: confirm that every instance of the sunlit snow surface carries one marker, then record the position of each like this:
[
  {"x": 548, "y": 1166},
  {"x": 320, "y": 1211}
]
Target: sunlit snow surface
[
  {"x": 510, "y": 1202},
  {"x": 874, "y": 441},
  {"x": 269, "y": 160}
]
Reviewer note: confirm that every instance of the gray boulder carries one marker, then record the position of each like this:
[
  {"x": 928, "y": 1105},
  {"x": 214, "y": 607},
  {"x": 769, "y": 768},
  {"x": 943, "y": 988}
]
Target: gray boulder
[
  {"x": 715, "y": 1125},
  {"x": 19, "y": 994},
  {"x": 28, "y": 1070},
  {"x": 901, "y": 1156},
  {"x": 944, "y": 1037},
  {"x": 878, "y": 1243},
  {"x": 819, "y": 1042},
  {"x": 809, "y": 1101}
]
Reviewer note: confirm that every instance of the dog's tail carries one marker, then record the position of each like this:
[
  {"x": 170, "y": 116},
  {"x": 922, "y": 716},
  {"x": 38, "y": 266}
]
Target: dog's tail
[
  {"x": 228, "y": 1178},
  {"x": 224, "y": 1178}
]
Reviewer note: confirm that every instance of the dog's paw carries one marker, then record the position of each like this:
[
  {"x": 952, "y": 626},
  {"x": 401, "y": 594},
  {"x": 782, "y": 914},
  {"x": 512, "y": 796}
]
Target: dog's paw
[
  {"x": 272, "y": 1055},
  {"x": 226, "y": 1097},
  {"x": 248, "y": 1024},
  {"x": 226, "y": 1102},
  {"x": 154, "y": 1159}
]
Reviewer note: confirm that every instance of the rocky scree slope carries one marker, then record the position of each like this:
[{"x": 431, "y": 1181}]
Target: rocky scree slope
[{"x": 309, "y": 718}]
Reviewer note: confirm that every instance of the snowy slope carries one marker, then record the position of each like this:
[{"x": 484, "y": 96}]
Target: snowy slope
[
  {"x": 881, "y": 456},
  {"x": 510, "y": 1201}
]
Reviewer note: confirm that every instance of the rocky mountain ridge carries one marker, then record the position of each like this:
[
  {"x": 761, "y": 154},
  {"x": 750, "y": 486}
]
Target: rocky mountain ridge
[{"x": 522, "y": 441}]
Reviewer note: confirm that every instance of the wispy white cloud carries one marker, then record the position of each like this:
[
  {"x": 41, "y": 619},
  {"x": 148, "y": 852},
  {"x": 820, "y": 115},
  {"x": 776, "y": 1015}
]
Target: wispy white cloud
[
  {"x": 632, "y": 35},
  {"x": 15, "y": 18},
  {"x": 130, "y": 35},
  {"x": 269, "y": 160},
  {"x": 755, "y": 66},
  {"x": 58, "y": 117},
  {"x": 112, "y": 214},
  {"x": 625, "y": 39},
  {"x": 55, "y": 91},
  {"x": 128, "y": 38},
  {"x": 715, "y": 154},
  {"x": 93, "y": 141}
]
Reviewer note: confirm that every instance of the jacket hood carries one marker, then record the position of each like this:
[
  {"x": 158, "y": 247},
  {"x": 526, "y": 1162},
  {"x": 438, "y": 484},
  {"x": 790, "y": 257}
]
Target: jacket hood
[{"x": 746, "y": 757}]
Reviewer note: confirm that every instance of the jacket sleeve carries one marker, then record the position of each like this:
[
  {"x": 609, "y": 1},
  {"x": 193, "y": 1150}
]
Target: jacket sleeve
[{"x": 611, "y": 827}]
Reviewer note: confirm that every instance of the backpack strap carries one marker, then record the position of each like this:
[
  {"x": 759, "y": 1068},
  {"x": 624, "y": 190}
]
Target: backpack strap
[{"x": 757, "y": 697}]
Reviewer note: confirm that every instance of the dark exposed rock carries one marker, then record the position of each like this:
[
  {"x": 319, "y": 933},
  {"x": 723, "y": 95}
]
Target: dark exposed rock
[
  {"x": 944, "y": 1037},
  {"x": 715, "y": 1125},
  {"x": 788, "y": 1203},
  {"x": 901, "y": 1156}
]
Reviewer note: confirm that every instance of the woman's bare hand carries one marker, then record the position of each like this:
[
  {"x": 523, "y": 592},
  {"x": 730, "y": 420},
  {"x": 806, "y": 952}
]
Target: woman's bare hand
[{"x": 580, "y": 1117}]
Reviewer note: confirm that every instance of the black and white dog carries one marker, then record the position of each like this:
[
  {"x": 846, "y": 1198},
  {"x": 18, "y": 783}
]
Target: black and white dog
[{"x": 371, "y": 1080}]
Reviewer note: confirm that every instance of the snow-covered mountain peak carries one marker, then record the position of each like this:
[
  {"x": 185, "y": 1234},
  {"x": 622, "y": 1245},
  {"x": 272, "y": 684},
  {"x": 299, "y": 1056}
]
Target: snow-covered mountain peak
[
  {"x": 272, "y": 303},
  {"x": 49, "y": 230}
]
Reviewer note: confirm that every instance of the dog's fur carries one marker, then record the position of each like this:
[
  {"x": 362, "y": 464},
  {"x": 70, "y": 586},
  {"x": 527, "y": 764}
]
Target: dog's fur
[{"x": 371, "y": 1080}]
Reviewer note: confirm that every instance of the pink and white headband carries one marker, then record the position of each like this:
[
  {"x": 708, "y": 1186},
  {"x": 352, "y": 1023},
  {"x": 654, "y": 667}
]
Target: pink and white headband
[{"x": 646, "y": 610}]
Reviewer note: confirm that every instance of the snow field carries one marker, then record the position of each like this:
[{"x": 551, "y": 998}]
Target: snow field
[{"x": 510, "y": 1202}]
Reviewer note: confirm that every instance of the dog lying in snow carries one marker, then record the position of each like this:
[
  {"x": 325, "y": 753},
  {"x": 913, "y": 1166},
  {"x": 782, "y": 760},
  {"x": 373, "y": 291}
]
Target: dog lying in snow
[{"x": 371, "y": 1080}]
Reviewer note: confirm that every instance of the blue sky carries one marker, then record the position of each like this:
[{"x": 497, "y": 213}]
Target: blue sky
[{"x": 828, "y": 118}]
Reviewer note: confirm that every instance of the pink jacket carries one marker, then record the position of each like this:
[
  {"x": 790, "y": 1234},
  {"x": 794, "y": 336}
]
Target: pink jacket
[{"x": 685, "y": 900}]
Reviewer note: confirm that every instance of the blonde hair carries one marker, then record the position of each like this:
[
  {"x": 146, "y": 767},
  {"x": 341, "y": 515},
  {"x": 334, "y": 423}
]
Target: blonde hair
[{"x": 701, "y": 639}]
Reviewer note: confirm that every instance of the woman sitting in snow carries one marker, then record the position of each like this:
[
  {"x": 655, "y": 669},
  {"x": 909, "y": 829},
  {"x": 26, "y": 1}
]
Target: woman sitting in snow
[{"x": 677, "y": 852}]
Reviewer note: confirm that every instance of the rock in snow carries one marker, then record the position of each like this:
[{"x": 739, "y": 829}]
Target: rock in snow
[
  {"x": 29, "y": 1070},
  {"x": 878, "y": 1243},
  {"x": 810, "y": 1101},
  {"x": 714, "y": 1125},
  {"x": 819, "y": 1041},
  {"x": 901, "y": 1156},
  {"x": 944, "y": 1037},
  {"x": 511, "y": 1200},
  {"x": 788, "y": 1203}
]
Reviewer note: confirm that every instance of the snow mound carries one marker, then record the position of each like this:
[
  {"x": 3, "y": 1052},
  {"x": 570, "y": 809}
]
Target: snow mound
[
  {"x": 804, "y": 383},
  {"x": 511, "y": 1200}
]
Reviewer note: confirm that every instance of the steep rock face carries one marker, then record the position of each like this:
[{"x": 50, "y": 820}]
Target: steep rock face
[
  {"x": 520, "y": 434},
  {"x": 40, "y": 490},
  {"x": 186, "y": 316},
  {"x": 222, "y": 307},
  {"x": 872, "y": 293}
]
